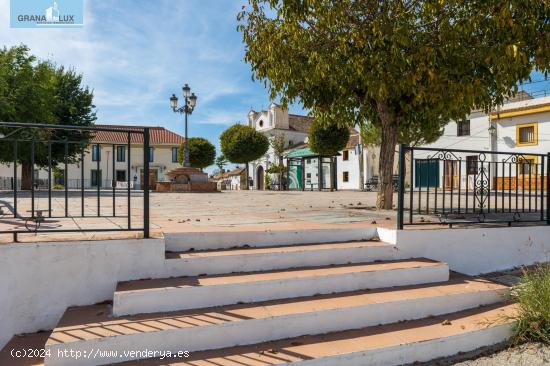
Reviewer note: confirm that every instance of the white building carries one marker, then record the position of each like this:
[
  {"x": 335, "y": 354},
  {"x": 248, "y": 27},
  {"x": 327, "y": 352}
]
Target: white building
[
  {"x": 518, "y": 127},
  {"x": 233, "y": 180},
  {"x": 113, "y": 146},
  {"x": 303, "y": 166}
]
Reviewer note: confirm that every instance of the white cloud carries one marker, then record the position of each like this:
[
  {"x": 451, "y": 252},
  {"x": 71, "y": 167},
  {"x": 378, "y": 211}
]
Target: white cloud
[{"x": 220, "y": 117}]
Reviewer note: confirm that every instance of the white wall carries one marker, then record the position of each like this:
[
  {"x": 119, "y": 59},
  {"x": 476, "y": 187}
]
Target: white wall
[
  {"x": 506, "y": 133},
  {"x": 39, "y": 281},
  {"x": 352, "y": 166},
  {"x": 475, "y": 250},
  {"x": 479, "y": 138}
]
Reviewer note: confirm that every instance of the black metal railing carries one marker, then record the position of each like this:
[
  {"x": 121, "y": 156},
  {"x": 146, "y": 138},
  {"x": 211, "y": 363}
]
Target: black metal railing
[
  {"x": 50, "y": 182},
  {"x": 453, "y": 186}
]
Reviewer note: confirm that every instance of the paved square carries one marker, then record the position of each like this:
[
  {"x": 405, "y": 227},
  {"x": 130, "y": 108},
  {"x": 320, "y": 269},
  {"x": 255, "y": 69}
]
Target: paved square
[{"x": 223, "y": 211}]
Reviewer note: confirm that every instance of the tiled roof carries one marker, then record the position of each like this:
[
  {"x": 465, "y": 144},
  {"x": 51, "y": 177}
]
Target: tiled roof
[
  {"x": 236, "y": 171},
  {"x": 353, "y": 140},
  {"x": 158, "y": 135},
  {"x": 299, "y": 123}
]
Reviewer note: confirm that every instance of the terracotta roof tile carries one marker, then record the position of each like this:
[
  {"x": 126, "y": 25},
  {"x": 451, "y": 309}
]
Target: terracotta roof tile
[
  {"x": 353, "y": 140},
  {"x": 299, "y": 123},
  {"x": 158, "y": 135}
]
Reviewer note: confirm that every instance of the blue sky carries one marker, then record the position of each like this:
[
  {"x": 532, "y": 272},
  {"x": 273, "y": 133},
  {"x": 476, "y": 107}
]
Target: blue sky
[{"x": 135, "y": 54}]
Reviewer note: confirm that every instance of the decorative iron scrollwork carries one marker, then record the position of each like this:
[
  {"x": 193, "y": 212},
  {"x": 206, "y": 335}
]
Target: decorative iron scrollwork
[
  {"x": 444, "y": 155},
  {"x": 515, "y": 158},
  {"x": 481, "y": 187}
]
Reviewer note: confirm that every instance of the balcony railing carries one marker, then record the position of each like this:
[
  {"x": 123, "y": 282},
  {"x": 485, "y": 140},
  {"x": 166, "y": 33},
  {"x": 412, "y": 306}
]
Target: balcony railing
[
  {"x": 42, "y": 204},
  {"x": 453, "y": 186}
]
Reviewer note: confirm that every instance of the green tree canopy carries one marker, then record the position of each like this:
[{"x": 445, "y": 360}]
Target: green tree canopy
[
  {"x": 406, "y": 66},
  {"x": 327, "y": 139},
  {"x": 33, "y": 91},
  {"x": 242, "y": 144},
  {"x": 201, "y": 152}
]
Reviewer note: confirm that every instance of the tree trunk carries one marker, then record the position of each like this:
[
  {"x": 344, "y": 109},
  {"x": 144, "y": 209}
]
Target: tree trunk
[
  {"x": 26, "y": 176},
  {"x": 390, "y": 130}
]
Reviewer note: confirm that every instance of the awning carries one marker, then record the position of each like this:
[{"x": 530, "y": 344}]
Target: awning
[{"x": 301, "y": 153}]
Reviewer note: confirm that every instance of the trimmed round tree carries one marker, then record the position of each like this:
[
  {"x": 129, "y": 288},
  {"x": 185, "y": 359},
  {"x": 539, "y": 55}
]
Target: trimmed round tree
[
  {"x": 327, "y": 139},
  {"x": 201, "y": 153},
  {"x": 242, "y": 144}
]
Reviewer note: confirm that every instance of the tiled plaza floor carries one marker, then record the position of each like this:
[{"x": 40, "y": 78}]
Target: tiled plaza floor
[{"x": 182, "y": 212}]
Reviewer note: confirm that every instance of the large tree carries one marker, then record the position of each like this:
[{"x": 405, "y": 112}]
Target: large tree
[
  {"x": 243, "y": 144},
  {"x": 201, "y": 152},
  {"x": 405, "y": 66},
  {"x": 33, "y": 91}
]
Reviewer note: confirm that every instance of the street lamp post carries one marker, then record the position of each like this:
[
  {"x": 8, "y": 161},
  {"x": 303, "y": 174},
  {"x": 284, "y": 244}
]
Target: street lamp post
[{"x": 186, "y": 109}]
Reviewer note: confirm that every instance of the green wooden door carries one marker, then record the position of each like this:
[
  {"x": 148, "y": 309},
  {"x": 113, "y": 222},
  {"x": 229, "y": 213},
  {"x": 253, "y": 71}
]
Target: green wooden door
[
  {"x": 295, "y": 176},
  {"x": 426, "y": 173}
]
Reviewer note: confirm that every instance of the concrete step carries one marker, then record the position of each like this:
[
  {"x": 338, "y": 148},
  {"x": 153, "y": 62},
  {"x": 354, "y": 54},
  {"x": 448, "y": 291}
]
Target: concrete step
[
  {"x": 89, "y": 329},
  {"x": 193, "y": 263},
  {"x": 388, "y": 345},
  {"x": 180, "y": 293},
  {"x": 180, "y": 242}
]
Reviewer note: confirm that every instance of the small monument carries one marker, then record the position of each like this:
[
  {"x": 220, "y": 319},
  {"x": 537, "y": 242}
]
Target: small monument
[{"x": 186, "y": 179}]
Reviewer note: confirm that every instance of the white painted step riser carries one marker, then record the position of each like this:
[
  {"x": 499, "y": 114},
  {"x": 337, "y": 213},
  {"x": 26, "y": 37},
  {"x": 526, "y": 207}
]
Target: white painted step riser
[
  {"x": 289, "y": 326},
  {"x": 410, "y": 353},
  {"x": 172, "y": 299},
  {"x": 181, "y": 242},
  {"x": 193, "y": 266}
]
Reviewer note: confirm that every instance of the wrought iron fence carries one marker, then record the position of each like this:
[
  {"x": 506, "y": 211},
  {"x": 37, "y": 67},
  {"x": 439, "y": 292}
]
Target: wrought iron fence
[
  {"x": 454, "y": 186},
  {"x": 59, "y": 202}
]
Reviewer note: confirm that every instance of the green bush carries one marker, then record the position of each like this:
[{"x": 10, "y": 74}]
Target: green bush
[
  {"x": 267, "y": 181},
  {"x": 533, "y": 297}
]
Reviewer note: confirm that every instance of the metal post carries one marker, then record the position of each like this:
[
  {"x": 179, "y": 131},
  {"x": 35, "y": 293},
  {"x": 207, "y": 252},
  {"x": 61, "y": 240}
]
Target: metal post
[
  {"x": 146, "y": 182},
  {"x": 15, "y": 179},
  {"x": 401, "y": 188},
  {"x": 334, "y": 174},
  {"x": 83, "y": 147},
  {"x": 49, "y": 179},
  {"x": 319, "y": 172},
  {"x": 66, "y": 179},
  {"x": 32, "y": 177},
  {"x": 128, "y": 192},
  {"x": 547, "y": 188},
  {"x": 185, "y": 145},
  {"x": 98, "y": 179},
  {"x": 113, "y": 180},
  {"x": 287, "y": 174}
]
